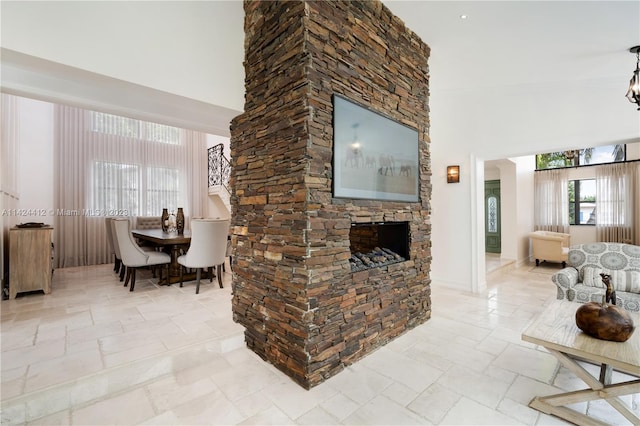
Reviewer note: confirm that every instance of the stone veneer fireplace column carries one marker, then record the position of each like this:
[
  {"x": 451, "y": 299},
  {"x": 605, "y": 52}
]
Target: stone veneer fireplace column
[{"x": 293, "y": 290}]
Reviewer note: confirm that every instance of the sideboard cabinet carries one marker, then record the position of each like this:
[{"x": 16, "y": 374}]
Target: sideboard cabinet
[{"x": 29, "y": 260}]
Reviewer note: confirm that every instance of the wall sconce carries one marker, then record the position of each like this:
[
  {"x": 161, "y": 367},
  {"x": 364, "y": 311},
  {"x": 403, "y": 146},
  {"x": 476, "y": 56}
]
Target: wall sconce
[
  {"x": 453, "y": 174},
  {"x": 633, "y": 94}
]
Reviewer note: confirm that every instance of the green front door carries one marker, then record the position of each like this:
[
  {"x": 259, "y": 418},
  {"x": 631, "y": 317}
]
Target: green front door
[{"x": 492, "y": 216}]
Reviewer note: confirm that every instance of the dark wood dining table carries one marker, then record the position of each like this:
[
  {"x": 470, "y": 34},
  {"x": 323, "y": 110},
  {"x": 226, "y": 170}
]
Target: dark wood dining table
[{"x": 173, "y": 244}]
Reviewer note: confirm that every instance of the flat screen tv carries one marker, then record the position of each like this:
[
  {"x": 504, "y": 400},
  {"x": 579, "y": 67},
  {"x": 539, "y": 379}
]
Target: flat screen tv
[{"x": 374, "y": 157}]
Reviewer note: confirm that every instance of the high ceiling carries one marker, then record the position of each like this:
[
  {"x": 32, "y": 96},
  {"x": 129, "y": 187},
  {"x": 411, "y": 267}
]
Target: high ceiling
[
  {"x": 538, "y": 49},
  {"x": 503, "y": 43}
]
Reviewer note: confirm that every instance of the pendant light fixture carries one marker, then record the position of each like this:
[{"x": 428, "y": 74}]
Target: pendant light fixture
[{"x": 633, "y": 94}]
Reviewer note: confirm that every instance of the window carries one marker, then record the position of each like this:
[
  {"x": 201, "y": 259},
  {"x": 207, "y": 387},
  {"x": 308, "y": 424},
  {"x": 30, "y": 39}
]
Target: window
[
  {"x": 133, "y": 189},
  {"x": 114, "y": 125},
  {"x": 116, "y": 187},
  {"x": 146, "y": 185},
  {"x": 155, "y": 132},
  {"x": 582, "y": 202},
  {"x": 615, "y": 188},
  {"x": 581, "y": 157},
  {"x": 135, "y": 129},
  {"x": 492, "y": 214},
  {"x": 162, "y": 190}
]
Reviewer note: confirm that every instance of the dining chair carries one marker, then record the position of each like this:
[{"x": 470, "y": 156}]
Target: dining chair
[
  {"x": 208, "y": 248},
  {"x": 116, "y": 248},
  {"x": 110, "y": 241},
  {"x": 133, "y": 256},
  {"x": 121, "y": 270},
  {"x": 147, "y": 222}
]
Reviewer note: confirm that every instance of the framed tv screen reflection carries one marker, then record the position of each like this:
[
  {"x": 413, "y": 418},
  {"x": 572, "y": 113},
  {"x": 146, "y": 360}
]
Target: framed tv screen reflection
[{"x": 374, "y": 157}]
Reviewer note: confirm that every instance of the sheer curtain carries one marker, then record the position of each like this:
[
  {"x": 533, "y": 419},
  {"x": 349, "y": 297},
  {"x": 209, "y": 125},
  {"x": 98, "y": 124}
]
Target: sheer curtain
[
  {"x": 107, "y": 165},
  {"x": 551, "y": 200},
  {"x": 618, "y": 201},
  {"x": 9, "y": 150}
]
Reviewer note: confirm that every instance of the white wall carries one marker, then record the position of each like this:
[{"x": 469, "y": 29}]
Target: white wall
[
  {"x": 472, "y": 126},
  {"x": 510, "y": 197},
  {"x": 451, "y": 222},
  {"x": 491, "y": 172},
  {"x": 35, "y": 169},
  {"x": 524, "y": 207},
  {"x": 177, "y": 47}
]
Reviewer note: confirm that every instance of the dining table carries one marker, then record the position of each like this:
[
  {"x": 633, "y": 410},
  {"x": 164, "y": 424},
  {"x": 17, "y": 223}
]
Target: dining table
[{"x": 172, "y": 243}]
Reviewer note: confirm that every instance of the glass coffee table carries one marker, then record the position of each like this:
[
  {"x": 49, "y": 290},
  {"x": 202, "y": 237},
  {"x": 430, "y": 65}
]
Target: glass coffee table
[{"x": 555, "y": 329}]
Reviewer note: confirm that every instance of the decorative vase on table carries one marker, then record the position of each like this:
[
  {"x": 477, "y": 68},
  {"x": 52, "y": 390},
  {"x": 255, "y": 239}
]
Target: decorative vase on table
[
  {"x": 165, "y": 220},
  {"x": 180, "y": 221}
]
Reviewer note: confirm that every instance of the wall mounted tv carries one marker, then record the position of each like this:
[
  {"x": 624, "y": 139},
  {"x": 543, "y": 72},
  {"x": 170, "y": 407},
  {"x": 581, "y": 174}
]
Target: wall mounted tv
[{"x": 374, "y": 157}]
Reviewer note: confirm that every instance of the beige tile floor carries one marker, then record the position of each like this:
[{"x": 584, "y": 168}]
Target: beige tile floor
[
  {"x": 494, "y": 262},
  {"x": 93, "y": 353}
]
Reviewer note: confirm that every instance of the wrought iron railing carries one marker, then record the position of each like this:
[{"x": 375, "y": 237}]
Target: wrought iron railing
[{"x": 219, "y": 167}]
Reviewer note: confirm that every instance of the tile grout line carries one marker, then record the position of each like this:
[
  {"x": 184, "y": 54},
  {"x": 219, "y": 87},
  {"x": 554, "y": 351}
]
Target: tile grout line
[{"x": 40, "y": 394}]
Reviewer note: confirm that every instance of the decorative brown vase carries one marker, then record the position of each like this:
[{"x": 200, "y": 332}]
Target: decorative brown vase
[
  {"x": 165, "y": 220},
  {"x": 606, "y": 322},
  {"x": 180, "y": 221}
]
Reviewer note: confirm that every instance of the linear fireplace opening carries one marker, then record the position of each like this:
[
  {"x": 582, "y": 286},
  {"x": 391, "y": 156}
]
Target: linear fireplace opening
[{"x": 377, "y": 244}]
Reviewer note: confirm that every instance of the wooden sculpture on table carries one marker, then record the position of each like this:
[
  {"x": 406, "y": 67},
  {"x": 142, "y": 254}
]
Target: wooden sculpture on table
[
  {"x": 606, "y": 322},
  {"x": 610, "y": 294}
]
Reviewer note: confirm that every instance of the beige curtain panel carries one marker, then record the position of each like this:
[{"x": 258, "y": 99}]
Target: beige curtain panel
[
  {"x": 618, "y": 203},
  {"x": 551, "y": 211}
]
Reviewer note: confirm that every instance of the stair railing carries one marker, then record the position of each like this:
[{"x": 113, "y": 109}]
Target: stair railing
[{"x": 219, "y": 167}]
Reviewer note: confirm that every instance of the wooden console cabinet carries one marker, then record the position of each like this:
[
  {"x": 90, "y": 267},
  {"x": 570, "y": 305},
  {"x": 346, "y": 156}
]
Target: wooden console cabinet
[{"x": 29, "y": 260}]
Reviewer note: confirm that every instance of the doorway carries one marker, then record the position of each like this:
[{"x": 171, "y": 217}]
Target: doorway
[{"x": 492, "y": 235}]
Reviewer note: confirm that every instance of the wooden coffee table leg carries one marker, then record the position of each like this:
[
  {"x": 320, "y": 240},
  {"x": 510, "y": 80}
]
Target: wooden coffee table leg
[
  {"x": 600, "y": 389},
  {"x": 605, "y": 374}
]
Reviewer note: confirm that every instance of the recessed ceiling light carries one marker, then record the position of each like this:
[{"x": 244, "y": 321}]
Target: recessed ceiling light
[{"x": 464, "y": 16}]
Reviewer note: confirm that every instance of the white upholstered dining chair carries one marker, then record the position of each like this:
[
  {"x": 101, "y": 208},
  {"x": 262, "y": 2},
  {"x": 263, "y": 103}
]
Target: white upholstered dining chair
[
  {"x": 112, "y": 246},
  {"x": 121, "y": 269},
  {"x": 148, "y": 222},
  {"x": 133, "y": 256},
  {"x": 208, "y": 248}
]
